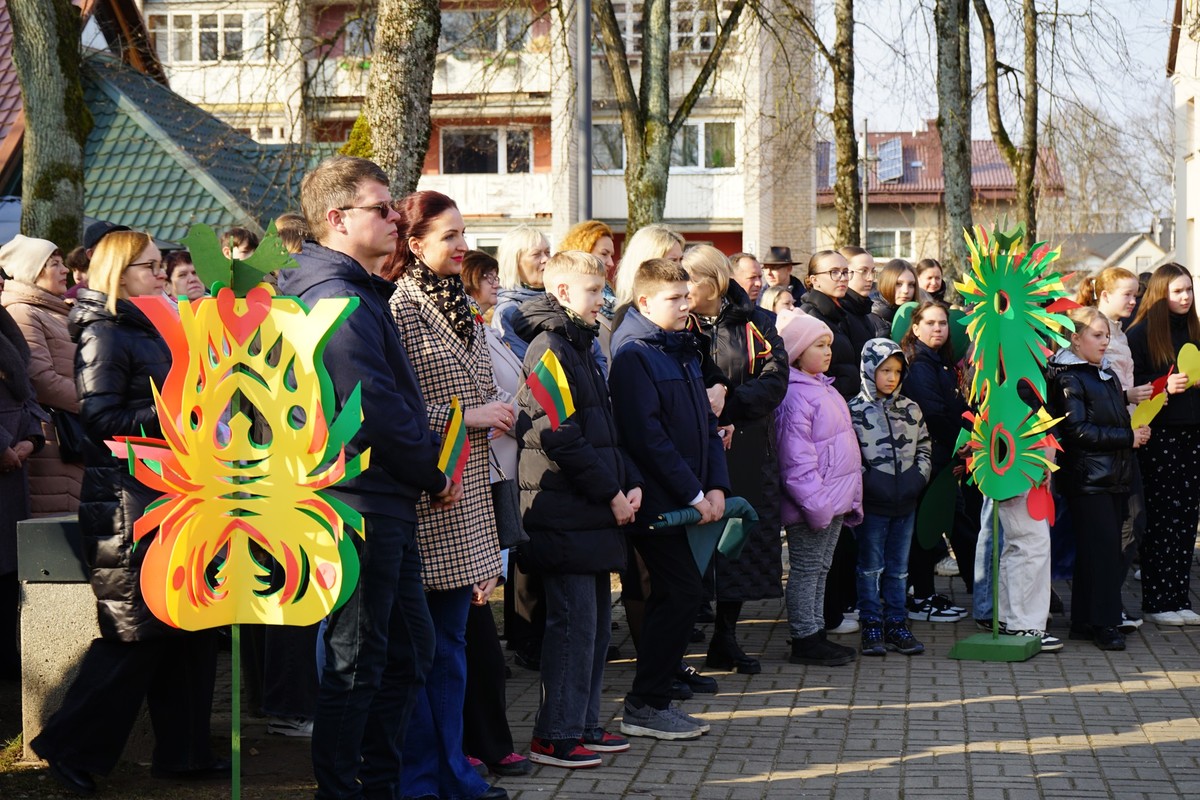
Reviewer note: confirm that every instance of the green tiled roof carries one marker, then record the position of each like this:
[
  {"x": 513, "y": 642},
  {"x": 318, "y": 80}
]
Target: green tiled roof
[{"x": 155, "y": 162}]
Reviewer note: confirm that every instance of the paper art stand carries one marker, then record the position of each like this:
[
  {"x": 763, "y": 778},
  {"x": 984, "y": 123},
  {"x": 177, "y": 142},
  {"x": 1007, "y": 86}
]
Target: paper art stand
[
  {"x": 243, "y": 529},
  {"x": 1017, "y": 304}
]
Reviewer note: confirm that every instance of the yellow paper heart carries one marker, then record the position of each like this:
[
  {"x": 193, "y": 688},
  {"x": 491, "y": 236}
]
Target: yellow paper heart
[
  {"x": 1188, "y": 362},
  {"x": 1147, "y": 410}
]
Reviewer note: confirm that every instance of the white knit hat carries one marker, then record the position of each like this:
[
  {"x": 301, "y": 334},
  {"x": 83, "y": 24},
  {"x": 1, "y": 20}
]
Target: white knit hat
[{"x": 23, "y": 258}]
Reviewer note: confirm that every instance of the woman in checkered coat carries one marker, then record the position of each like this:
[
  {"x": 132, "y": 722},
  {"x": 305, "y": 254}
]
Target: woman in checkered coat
[{"x": 443, "y": 334}]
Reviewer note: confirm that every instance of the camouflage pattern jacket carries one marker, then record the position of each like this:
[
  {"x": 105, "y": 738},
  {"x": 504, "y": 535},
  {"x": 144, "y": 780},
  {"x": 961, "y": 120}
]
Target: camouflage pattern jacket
[{"x": 893, "y": 441}]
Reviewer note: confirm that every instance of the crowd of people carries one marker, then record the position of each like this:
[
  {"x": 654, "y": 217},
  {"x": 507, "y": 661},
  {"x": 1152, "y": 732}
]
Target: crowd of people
[{"x": 832, "y": 402}]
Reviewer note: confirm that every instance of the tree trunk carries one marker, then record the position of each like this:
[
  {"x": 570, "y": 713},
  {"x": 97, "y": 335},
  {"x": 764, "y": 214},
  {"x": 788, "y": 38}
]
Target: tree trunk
[
  {"x": 952, "y": 29},
  {"x": 847, "y": 195},
  {"x": 400, "y": 88},
  {"x": 46, "y": 52},
  {"x": 1022, "y": 160}
]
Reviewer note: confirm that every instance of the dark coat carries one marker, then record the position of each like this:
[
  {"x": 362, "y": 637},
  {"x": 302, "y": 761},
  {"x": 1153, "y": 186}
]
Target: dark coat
[
  {"x": 1181, "y": 410},
  {"x": 884, "y": 311},
  {"x": 366, "y": 349},
  {"x": 1095, "y": 433},
  {"x": 20, "y": 420},
  {"x": 120, "y": 356},
  {"x": 663, "y": 418},
  {"x": 756, "y": 390},
  {"x": 570, "y": 475},
  {"x": 862, "y": 323},
  {"x": 844, "y": 366},
  {"x": 934, "y": 385}
]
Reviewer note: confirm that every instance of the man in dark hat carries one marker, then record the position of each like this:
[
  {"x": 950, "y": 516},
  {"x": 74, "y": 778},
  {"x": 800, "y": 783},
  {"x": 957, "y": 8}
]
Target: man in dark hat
[
  {"x": 777, "y": 270},
  {"x": 97, "y": 231}
]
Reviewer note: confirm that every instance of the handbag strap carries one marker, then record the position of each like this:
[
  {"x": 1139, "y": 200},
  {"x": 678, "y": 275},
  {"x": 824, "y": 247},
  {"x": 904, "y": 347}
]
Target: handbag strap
[{"x": 495, "y": 462}]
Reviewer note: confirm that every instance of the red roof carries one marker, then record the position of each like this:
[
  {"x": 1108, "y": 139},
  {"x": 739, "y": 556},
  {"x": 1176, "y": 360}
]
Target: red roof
[{"x": 922, "y": 180}]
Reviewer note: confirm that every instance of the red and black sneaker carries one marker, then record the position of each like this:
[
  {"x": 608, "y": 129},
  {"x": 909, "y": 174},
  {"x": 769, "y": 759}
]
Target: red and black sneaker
[
  {"x": 604, "y": 742},
  {"x": 567, "y": 753}
]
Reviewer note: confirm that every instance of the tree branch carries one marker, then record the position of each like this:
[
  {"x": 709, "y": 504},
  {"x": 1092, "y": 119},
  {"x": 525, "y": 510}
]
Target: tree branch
[{"x": 710, "y": 64}]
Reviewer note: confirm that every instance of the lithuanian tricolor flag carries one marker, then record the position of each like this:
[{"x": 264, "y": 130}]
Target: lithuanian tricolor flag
[
  {"x": 455, "y": 444},
  {"x": 549, "y": 385}
]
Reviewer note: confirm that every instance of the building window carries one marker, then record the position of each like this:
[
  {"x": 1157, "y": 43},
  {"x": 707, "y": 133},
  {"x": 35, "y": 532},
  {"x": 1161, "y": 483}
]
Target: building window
[
  {"x": 888, "y": 244},
  {"x": 483, "y": 31},
  {"x": 714, "y": 141},
  {"x": 694, "y": 24},
  {"x": 185, "y": 37},
  {"x": 491, "y": 151},
  {"x": 608, "y": 148},
  {"x": 360, "y": 37}
]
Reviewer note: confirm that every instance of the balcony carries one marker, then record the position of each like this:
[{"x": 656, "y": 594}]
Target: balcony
[
  {"x": 498, "y": 74},
  {"x": 690, "y": 196},
  {"x": 522, "y": 196}
]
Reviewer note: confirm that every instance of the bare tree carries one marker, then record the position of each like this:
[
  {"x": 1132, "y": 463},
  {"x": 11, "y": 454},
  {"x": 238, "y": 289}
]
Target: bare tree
[
  {"x": 647, "y": 122},
  {"x": 847, "y": 195},
  {"x": 47, "y": 56},
  {"x": 400, "y": 88},
  {"x": 1022, "y": 158},
  {"x": 951, "y": 20}
]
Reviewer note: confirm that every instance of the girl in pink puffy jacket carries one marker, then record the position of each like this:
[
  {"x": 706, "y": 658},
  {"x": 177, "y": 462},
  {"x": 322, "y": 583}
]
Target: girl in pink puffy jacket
[{"x": 821, "y": 476}]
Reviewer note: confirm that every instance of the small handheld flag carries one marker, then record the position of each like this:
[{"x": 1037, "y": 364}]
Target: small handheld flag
[
  {"x": 548, "y": 382},
  {"x": 455, "y": 444}
]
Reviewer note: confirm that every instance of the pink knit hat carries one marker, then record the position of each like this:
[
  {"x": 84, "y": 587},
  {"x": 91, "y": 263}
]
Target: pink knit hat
[{"x": 798, "y": 331}]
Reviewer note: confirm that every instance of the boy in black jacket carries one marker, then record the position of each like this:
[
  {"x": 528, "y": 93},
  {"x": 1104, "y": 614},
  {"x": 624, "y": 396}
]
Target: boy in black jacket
[
  {"x": 666, "y": 425},
  {"x": 577, "y": 488}
]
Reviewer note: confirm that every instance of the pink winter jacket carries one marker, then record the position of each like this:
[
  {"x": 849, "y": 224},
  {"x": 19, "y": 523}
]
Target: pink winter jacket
[{"x": 819, "y": 464}]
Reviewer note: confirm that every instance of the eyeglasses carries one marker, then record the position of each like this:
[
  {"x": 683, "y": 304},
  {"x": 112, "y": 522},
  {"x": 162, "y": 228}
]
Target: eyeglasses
[
  {"x": 864, "y": 271},
  {"x": 382, "y": 209},
  {"x": 836, "y": 274},
  {"x": 155, "y": 267},
  {"x": 492, "y": 278}
]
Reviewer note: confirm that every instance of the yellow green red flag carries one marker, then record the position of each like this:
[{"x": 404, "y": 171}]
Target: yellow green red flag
[
  {"x": 548, "y": 382},
  {"x": 455, "y": 444}
]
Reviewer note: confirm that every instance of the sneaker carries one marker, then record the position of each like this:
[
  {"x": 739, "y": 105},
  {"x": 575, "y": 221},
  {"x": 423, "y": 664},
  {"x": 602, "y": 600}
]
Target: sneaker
[
  {"x": 930, "y": 609},
  {"x": 835, "y": 647},
  {"x": 848, "y": 626},
  {"x": 872, "y": 639},
  {"x": 477, "y": 765},
  {"x": 657, "y": 723},
  {"x": 946, "y": 603},
  {"x": 1050, "y": 644},
  {"x": 698, "y": 683},
  {"x": 1109, "y": 638},
  {"x": 898, "y": 637},
  {"x": 568, "y": 753},
  {"x": 601, "y": 741},
  {"x": 947, "y": 567},
  {"x": 511, "y": 765},
  {"x": 290, "y": 726},
  {"x": 1170, "y": 618},
  {"x": 851, "y": 613},
  {"x": 699, "y": 723},
  {"x": 1129, "y": 624},
  {"x": 985, "y": 624},
  {"x": 1188, "y": 616}
]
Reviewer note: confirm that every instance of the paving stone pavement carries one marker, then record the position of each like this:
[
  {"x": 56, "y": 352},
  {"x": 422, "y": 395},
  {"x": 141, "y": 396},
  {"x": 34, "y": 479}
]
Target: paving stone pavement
[{"x": 1081, "y": 723}]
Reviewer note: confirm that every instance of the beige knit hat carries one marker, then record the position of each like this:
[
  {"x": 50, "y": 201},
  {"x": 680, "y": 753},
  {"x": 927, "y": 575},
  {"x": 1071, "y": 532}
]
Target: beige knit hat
[{"x": 23, "y": 258}]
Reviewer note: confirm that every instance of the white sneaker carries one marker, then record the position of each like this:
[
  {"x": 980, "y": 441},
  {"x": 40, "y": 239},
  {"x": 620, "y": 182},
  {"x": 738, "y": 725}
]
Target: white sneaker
[
  {"x": 1128, "y": 624},
  {"x": 848, "y": 626},
  {"x": 947, "y": 567},
  {"x": 850, "y": 613},
  {"x": 1188, "y": 616},
  {"x": 290, "y": 726},
  {"x": 1171, "y": 618}
]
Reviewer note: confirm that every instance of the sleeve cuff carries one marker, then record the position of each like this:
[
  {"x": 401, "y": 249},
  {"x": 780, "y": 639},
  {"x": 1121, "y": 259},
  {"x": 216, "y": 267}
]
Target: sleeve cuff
[{"x": 699, "y": 498}]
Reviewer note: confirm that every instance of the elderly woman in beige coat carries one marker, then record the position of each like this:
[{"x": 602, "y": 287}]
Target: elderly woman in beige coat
[
  {"x": 34, "y": 298},
  {"x": 460, "y": 553}
]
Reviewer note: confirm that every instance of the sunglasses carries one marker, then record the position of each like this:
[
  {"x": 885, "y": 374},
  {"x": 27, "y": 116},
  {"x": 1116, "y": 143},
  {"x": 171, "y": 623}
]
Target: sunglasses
[{"x": 382, "y": 209}]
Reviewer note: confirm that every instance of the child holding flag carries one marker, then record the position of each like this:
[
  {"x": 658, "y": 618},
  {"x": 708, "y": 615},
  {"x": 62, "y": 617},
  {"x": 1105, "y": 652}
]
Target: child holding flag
[{"x": 577, "y": 488}]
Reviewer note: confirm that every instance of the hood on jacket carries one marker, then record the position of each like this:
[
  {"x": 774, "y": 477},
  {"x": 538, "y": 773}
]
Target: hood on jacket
[
  {"x": 635, "y": 327},
  {"x": 1065, "y": 357},
  {"x": 90, "y": 307},
  {"x": 874, "y": 353},
  {"x": 517, "y": 296},
  {"x": 16, "y": 293},
  {"x": 544, "y": 313},
  {"x": 317, "y": 264}
]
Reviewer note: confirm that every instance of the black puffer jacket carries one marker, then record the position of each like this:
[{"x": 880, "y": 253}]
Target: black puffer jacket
[
  {"x": 756, "y": 390},
  {"x": 933, "y": 383},
  {"x": 861, "y": 322},
  {"x": 1095, "y": 433},
  {"x": 568, "y": 476},
  {"x": 1181, "y": 410},
  {"x": 119, "y": 357},
  {"x": 884, "y": 311},
  {"x": 844, "y": 366}
]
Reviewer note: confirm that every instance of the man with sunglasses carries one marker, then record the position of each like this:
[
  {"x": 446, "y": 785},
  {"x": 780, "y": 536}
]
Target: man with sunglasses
[{"x": 379, "y": 645}]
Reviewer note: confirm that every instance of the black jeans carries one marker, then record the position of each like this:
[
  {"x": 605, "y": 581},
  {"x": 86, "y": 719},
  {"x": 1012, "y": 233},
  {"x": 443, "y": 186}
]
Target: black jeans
[
  {"x": 486, "y": 734},
  {"x": 378, "y": 650},
  {"x": 675, "y": 594},
  {"x": 1096, "y": 588},
  {"x": 174, "y": 674}
]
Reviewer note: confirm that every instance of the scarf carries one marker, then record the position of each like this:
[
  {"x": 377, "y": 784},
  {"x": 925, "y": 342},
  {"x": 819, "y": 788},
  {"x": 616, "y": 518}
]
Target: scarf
[
  {"x": 593, "y": 328},
  {"x": 448, "y": 294}
]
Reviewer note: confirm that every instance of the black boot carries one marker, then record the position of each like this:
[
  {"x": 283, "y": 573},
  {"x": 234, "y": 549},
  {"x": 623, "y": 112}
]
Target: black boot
[
  {"x": 813, "y": 650},
  {"x": 724, "y": 652}
]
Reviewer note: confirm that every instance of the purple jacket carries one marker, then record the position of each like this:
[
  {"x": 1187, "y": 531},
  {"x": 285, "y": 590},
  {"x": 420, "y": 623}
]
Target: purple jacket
[{"x": 819, "y": 465}]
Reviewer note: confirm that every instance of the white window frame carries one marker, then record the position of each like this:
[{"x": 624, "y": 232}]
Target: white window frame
[
  {"x": 249, "y": 55},
  {"x": 897, "y": 252},
  {"x": 699, "y": 168},
  {"x": 497, "y": 17},
  {"x": 694, "y": 28},
  {"x": 620, "y": 170},
  {"x": 501, "y": 146}
]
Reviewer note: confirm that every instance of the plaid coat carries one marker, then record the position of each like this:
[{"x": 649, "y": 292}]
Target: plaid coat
[{"x": 458, "y": 547}]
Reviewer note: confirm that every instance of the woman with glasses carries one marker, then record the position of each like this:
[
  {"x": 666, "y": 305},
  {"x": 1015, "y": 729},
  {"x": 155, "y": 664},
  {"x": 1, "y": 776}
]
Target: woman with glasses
[
  {"x": 120, "y": 358},
  {"x": 827, "y": 281}
]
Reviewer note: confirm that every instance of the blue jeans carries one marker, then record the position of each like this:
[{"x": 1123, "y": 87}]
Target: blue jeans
[
  {"x": 578, "y": 628},
  {"x": 378, "y": 649},
  {"x": 434, "y": 762},
  {"x": 883, "y": 544},
  {"x": 981, "y": 597}
]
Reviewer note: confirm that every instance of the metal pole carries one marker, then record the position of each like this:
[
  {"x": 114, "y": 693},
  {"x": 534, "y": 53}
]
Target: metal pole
[
  {"x": 866, "y": 180},
  {"x": 583, "y": 105}
]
